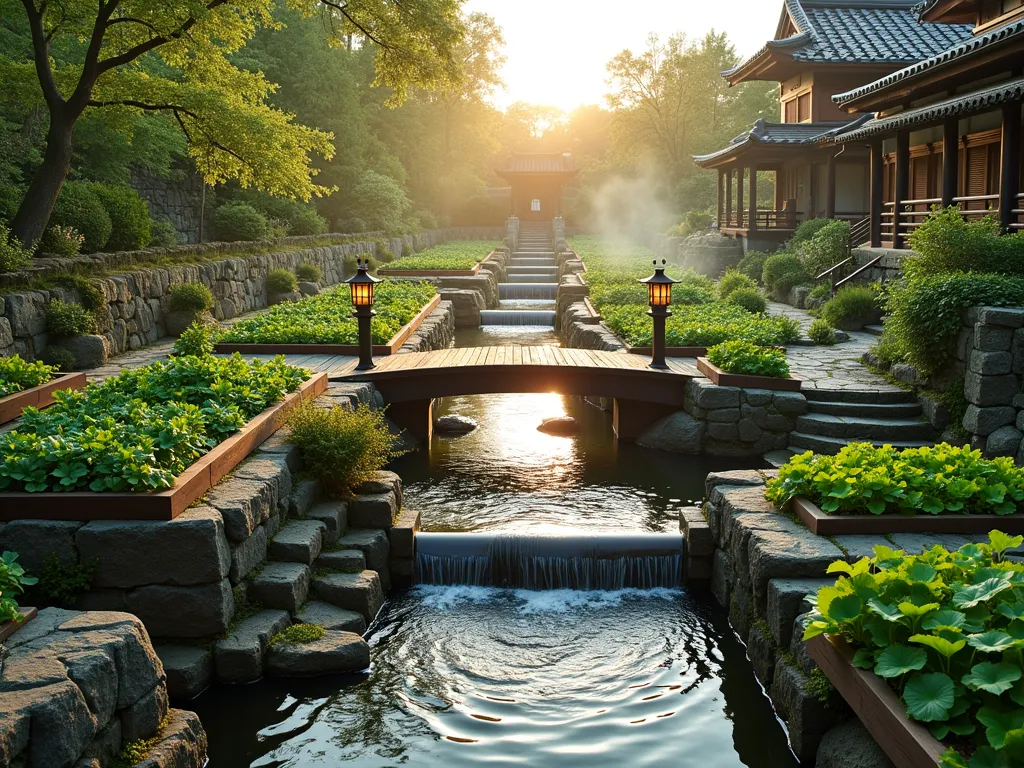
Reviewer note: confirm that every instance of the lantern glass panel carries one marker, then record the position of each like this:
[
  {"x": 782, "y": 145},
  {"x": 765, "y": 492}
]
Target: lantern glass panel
[
  {"x": 362, "y": 294},
  {"x": 660, "y": 294}
]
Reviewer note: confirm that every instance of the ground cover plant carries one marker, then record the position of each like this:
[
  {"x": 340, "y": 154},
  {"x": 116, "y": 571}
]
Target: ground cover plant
[
  {"x": 822, "y": 333},
  {"x": 191, "y": 297},
  {"x": 458, "y": 255},
  {"x": 742, "y": 357},
  {"x": 138, "y": 431},
  {"x": 12, "y": 583},
  {"x": 281, "y": 281},
  {"x": 698, "y": 318},
  {"x": 327, "y": 318},
  {"x": 17, "y": 375},
  {"x": 853, "y": 307},
  {"x": 946, "y": 631},
  {"x": 940, "y": 479}
]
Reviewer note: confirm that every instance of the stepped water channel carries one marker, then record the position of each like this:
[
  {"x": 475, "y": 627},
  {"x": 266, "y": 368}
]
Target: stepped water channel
[
  {"x": 528, "y": 298},
  {"x": 549, "y": 627}
]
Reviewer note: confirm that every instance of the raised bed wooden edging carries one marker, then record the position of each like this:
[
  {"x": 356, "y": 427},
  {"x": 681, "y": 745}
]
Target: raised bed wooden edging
[
  {"x": 824, "y": 524},
  {"x": 8, "y": 628},
  {"x": 37, "y": 397},
  {"x": 380, "y": 350},
  {"x": 671, "y": 352},
  {"x": 188, "y": 487},
  {"x": 723, "y": 379},
  {"x": 907, "y": 743}
]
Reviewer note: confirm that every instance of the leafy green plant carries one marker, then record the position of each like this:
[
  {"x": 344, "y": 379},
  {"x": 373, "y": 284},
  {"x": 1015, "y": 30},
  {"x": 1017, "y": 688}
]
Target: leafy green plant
[
  {"x": 59, "y": 358},
  {"x": 826, "y": 247},
  {"x": 61, "y": 584},
  {"x": 751, "y": 299},
  {"x": 17, "y": 374},
  {"x": 782, "y": 271},
  {"x": 295, "y": 216},
  {"x": 458, "y": 255},
  {"x": 13, "y": 256},
  {"x": 162, "y": 233},
  {"x": 946, "y": 242},
  {"x": 822, "y": 333},
  {"x": 61, "y": 241},
  {"x": 240, "y": 221},
  {"x": 752, "y": 264},
  {"x": 141, "y": 429},
  {"x": 79, "y": 206},
  {"x": 946, "y": 631},
  {"x": 136, "y": 751},
  {"x": 298, "y": 634},
  {"x": 937, "y": 479},
  {"x": 806, "y": 230},
  {"x": 281, "y": 281},
  {"x": 327, "y": 318},
  {"x": 733, "y": 280},
  {"x": 67, "y": 319},
  {"x": 309, "y": 273},
  {"x": 12, "y": 583},
  {"x": 748, "y": 359},
  {"x": 820, "y": 292},
  {"x": 341, "y": 447},
  {"x": 191, "y": 297},
  {"x": 198, "y": 339},
  {"x": 129, "y": 217},
  {"x": 853, "y": 307}
]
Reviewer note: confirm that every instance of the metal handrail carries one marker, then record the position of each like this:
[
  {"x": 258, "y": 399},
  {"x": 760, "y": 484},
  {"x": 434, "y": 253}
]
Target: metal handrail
[
  {"x": 866, "y": 267},
  {"x": 830, "y": 270}
]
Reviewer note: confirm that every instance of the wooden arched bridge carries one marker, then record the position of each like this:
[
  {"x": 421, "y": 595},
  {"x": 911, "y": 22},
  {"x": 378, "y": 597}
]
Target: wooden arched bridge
[{"x": 409, "y": 383}]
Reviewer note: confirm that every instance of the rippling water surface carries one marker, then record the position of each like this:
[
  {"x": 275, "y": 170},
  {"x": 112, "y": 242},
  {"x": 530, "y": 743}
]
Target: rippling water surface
[{"x": 465, "y": 676}]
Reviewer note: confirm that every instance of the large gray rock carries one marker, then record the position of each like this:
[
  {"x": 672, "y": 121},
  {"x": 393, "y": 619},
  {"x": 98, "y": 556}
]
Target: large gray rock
[
  {"x": 377, "y": 510},
  {"x": 243, "y": 504},
  {"x": 807, "y": 718},
  {"x": 344, "y": 560},
  {"x": 184, "y": 612},
  {"x": 373, "y": 543},
  {"x": 786, "y": 600},
  {"x": 334, "y": 515},
  {"x": 359, "y": 592},
  {"x": 331, "y": 617},
  {"x": 788, "y": 554},
  {"x": 190, "y": 549},
  {"x": 850, "y": 746},
  {"x": 89, "y": 351},
  {"x": 143, "y": 717},
  {"x": 710, "y": 396},
  {"x": 182, "y": 743},
  {"x": 561, "y": 426},
  {"x": 248, "y": 555},
  {"x": 300, "y": 541},
  {"x": 189, "y": 670},
  {"x": 679, "y": 433},
  {"x": 334, "y": 653},
  {"x": 1005, "y": 441},
  {"x": 281, "y": 585},
  {"x": 985, "y": 421},
  {"x": 239, "y": 656},
  {"x": 453, "y": 424},
  {"x": 36, "y": 540},
  {"x": 988, "y": 391},
  {"x": 382, "y": 481},
  {"x": 273, "y": 470}
]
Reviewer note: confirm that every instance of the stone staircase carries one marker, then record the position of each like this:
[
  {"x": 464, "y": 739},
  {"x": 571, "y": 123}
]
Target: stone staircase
[
  {"x": 532, "y": 277},
  {"x": 837, "y": 417}
]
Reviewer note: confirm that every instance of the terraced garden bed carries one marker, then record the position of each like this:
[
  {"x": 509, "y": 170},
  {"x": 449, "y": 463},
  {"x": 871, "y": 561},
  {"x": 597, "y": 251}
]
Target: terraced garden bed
[
  {"x": 39, "y": 396},
  {"x": 146, "y": 444},
  {"x": 324, "y": 324},
  {"x": 725, "y": 379},
  {"x": 9, "y": 627},
  {"x": 455, "y": 259}
]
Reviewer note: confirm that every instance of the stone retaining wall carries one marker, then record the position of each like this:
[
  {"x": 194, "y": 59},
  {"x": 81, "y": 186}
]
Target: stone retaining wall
[
  {"x": 889, "y": 268},
  {"x": 77, "y": 687}
]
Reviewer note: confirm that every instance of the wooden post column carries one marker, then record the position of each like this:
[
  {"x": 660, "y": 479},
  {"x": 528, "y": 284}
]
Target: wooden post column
[
  {"x": 739, "y": 197},
  {"x": 902, "y": 184},
  {"x": 1009, "y": 166},
  {"x": 721, "y": 182},
  {"x": 875, "y": 204},
  {"x": 728, "y": 197},
  {"x": 950, "y": 160},
  {"x": 830, "y": 187},
  {"x": 752, "y": 216}
]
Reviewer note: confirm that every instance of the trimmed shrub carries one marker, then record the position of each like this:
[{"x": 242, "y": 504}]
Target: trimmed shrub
[
  {"x": 162, "y": 233},
  {"x": 61, "y": 241},
  {"x": 782, "y": 271},
  {"x": 80, "y": 207},
  {"x": 66, "y": 319},
  {"x": 12, "y": 255},
  {"x": 197, "y": 340},
  {"x": 751, "y": 299},
  {"x": 821, "y": 292},
  {"x": 822, "y": 333},
  {"x": 60, "y": 358},
  {"x": 806, "y": 230},
  {"x": 309, "y": 273},
  {"x": 733, "y": 280},
  {"x": 281, "y": 281},
  {"x": 341, "y": 447},
  {"x": 826, "y": 248},
  {"x": 191, "y": 297},
  {"x": 945, "y": 242},
  {"x": 380, "y": 201},
  {"x": 752, "y": 264},
  {"x": 240, "y": 221},
  {"x": 748, "y": 359},
  {"x": 129, "y": 217},
  {"x": 853, "y": 307}
]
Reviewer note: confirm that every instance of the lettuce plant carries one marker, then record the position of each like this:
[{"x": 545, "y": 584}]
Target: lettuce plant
[
  {"x": 937, "y": 479},
  {"x": 748, "y": 359},
  {"x": 946, "y": 631},
  {"x": 17, "y": 374}
]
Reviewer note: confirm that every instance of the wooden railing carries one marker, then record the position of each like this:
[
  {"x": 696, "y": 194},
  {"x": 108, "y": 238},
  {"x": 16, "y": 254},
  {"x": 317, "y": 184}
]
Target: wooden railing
[
  {"x": 784, "y": 219},
  {"x": 1017, "y": 219},
  {"x": 914, "y": 212}
]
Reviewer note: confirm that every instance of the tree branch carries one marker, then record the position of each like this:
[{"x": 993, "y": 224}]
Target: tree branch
[
  {"x": 341, "y": 9},
  {"x": 41, "y": 55}
]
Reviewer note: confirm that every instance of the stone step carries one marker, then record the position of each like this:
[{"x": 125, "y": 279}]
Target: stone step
[
  {"x": 860, "y": 428},
  {"x": 333, "y": 654},
  {"x": 189, "y": 670},
  {"x": 372, "y": 543},
  {"x": 346, "y": 560},
  {"x": 300, "y": 541},
  {"x": 885, "y": 396},
  {"x": 373, "y": 510},
  {"x": 359, "y": 592},
  {"x": 284, "y": 586},
  {"x": 873, "y": 410},
  {"x": 238, "y": 658},
  {"x": 874, "y": 330},
  {"x": 334, "y": 516},
  {"x": 801, "y": 441},
  {"x": 779, "y": 457},
  {"x": 331, "y": 617},
  {"x": 304, "y": 495}
]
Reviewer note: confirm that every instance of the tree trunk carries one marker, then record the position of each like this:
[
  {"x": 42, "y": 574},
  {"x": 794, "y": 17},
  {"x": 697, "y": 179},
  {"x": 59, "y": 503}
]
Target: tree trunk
[{"x": 34, "y": 214}]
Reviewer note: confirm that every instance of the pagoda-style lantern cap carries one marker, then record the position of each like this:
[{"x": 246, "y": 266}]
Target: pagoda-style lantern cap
[
  {"x": 361, "y": 284},
  {"x": 659, "y": 286}
]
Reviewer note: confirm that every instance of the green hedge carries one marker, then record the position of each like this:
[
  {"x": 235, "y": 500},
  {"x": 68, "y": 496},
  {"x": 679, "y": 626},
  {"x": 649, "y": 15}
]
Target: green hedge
[
  {"x": 80, "y": 207},
  {"x": 129, "y": 217},
  {"x": 457, "y": 255}
]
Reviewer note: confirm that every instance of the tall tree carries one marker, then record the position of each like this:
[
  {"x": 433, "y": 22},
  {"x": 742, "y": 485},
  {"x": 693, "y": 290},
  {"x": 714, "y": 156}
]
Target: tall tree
[{"x": 173, "y": 56}]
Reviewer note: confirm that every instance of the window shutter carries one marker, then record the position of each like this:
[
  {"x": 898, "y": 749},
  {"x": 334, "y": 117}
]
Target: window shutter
[
  {"x": 919, "y": 178},
  {"x": 791, "y": 111}
]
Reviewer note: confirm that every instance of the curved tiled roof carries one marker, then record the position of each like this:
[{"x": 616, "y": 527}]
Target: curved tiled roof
[
  {"x": 963, "y": 49},
  {"x": 860, "y": 32},
  {"x": 779, "y": 134},
  {"x": 537, "y": 162},
  {"x": 962, "y": 104}
]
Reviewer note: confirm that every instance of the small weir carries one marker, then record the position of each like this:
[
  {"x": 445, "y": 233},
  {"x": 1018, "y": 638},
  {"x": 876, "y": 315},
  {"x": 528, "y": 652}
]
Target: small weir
[
  {"x": 532, "y": 276},
  {"x": 517, "y": 317},
  {"x": 528, "y": 291},
  {"x": 583, "y": 562}
]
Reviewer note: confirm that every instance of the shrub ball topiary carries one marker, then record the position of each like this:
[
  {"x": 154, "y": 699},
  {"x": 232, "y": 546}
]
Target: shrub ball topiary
[
  {"x": 61, "y": 241},
  {"x": 781, "y": 272},
  {"x": 752, "y": 265},
  {"x": 281, "y": 281},
  {"x": 239, "y": 221},
  {"x": 162, "y": 233},
  {"x": 853, "y": 307},
  {"x": 826, "y": 248},
  {"x": 309, "y": 273},
  {"x": 733, "y": 280},
  {"x": 822, "y": 333},
  {"x": 129, "y": 217},
  {"x": 66, "y": 319},
  {"x": 191, "y": 297},
  {"x": 751, "y": 299},
  {"x": 806, "y": 230},
  {"x": 80, "y": 207}
]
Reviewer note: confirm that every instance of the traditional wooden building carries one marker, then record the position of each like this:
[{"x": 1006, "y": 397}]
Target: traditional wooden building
[
  {"x": 538, "y": 182},
  {"x": 947, "y": 129},
  {"x": 821, "y": 47}
]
